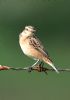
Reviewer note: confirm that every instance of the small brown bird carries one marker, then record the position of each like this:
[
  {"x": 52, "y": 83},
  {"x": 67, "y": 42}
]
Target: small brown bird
[{"x": 32, "y": 47}]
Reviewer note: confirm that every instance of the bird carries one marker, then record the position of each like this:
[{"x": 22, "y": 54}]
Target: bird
[{"x": 33, "y": 47}]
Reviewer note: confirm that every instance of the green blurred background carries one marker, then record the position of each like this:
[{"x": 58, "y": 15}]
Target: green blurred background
[{"x": 52, "y": 20}]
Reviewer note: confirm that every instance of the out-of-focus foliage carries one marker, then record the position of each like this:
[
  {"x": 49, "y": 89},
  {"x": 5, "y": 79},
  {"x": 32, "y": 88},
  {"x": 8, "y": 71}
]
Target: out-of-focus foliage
[{"x": 52, "y": 20}]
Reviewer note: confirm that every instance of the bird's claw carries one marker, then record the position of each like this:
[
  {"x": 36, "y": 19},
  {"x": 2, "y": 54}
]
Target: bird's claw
[
  {"x": 29, "y": 69},
  {"x": 38, "y": 68}
]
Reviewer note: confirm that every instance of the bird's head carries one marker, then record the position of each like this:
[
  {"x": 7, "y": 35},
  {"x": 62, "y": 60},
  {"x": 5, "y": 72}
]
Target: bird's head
[{"x": 28, "y": 31}]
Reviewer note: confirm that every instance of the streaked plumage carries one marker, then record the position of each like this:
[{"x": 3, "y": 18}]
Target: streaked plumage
[{"x": 32, "y": 46}]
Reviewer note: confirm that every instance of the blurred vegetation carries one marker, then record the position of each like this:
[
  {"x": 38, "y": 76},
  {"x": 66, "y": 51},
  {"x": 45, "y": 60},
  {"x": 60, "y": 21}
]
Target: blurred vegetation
[{"x": 52, "y": 20}]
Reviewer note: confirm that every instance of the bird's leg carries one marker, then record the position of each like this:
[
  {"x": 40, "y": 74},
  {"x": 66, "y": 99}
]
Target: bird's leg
[
  {"x": 39, "y": 68},
  {"x": 41, "y": 64},
  {"x": 42, "y": 68},
  {"x": 35, "y": 63},
  {"x": 30, "y": 68}
]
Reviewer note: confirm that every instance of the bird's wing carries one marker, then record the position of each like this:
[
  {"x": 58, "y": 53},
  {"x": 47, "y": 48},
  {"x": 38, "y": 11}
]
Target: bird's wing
[{"x": 36, "y": 43}]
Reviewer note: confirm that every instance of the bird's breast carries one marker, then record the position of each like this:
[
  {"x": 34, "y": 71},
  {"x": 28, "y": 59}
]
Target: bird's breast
[
  {"x": 25, "y": 48},
  {"x": 29, "y": 50}
]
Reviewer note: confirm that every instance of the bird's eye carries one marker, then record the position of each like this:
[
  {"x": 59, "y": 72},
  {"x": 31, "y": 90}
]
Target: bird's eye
[{"x": 27, "y": 29}]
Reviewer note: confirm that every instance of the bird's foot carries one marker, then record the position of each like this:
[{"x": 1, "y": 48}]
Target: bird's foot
[
  {"x": 29, "y": 69},
  {"x": 38, "y": 67}
]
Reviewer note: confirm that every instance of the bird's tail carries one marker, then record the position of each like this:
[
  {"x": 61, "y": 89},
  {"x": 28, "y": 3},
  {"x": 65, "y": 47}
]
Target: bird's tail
[{"x": 49, "y": 62}]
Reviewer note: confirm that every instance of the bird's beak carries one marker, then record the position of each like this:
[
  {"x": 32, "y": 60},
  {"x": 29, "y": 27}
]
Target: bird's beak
[{"x": 34, "y": 30}]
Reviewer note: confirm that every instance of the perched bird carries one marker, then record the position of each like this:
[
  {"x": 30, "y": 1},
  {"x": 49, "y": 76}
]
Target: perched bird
[{"x": 32, "y": 47}]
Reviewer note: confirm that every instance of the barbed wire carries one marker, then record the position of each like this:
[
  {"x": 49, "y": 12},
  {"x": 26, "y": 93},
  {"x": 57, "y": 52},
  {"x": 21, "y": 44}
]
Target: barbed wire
[{"x": 38, "y": 68}]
